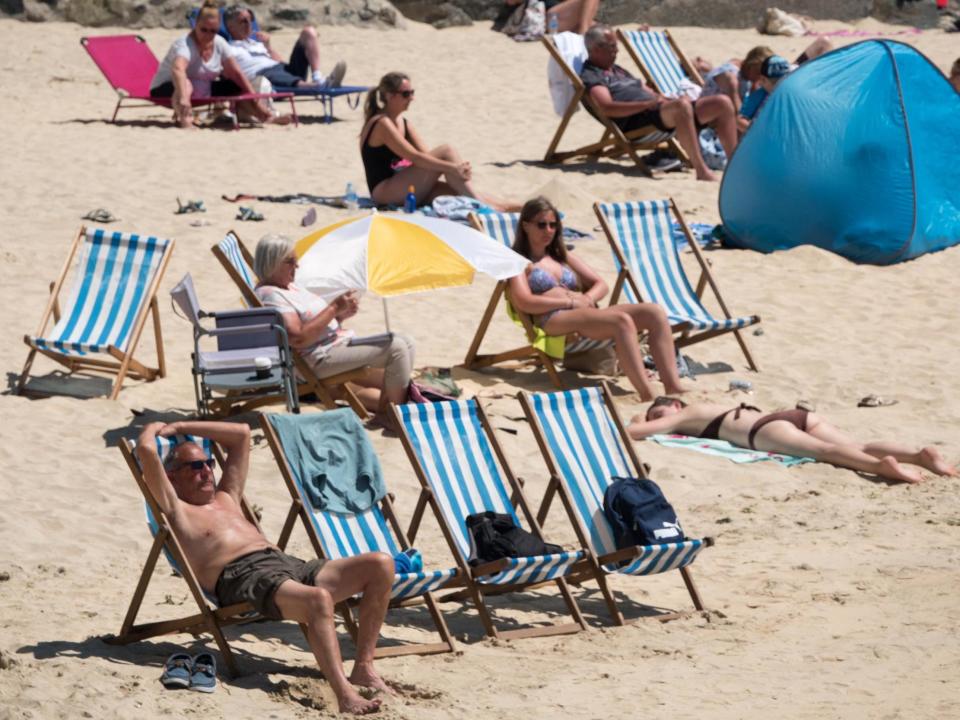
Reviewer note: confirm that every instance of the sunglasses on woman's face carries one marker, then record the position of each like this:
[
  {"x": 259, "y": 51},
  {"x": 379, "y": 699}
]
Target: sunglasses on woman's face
[
  {"x": 407, "y": 94},
  {"x": 544, "y": 224}
]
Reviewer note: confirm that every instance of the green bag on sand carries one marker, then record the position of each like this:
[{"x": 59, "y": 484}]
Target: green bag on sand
[{"x": 441, "y": 380}]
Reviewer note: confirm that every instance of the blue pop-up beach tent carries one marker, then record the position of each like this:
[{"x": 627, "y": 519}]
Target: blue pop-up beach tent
[{"x": 856, "y": 152}]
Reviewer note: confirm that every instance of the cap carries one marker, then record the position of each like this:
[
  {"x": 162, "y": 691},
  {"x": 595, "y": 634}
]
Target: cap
[{"x": 774, "y": 67}]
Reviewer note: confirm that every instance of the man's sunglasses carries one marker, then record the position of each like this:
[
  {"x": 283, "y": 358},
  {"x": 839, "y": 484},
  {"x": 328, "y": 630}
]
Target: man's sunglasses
[
  {"x": 407, "y": 94},
  {"x": 207, "y": 31},
  {"x": 198, "y": 465},
  {"x": 544, "y": 224}
]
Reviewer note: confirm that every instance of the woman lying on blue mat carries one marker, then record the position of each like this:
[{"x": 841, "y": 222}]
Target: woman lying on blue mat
[
  {"x": 395, "y": 157},
  {"x": 790, "y": 432},
  {"x": 562, "y": 292}
]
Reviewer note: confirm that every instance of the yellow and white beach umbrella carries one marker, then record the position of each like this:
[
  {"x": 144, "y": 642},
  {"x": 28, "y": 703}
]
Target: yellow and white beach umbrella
[{"x": 394, "y": 254}]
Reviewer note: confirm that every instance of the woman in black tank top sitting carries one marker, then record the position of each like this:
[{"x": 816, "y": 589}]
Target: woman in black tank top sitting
[
  {"x": 790, "y": 432},
  {"x": 395, "y": 156}
]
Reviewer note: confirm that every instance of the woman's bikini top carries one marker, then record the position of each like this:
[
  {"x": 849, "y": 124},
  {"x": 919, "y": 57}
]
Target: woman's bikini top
[
  {"x": 379, "y": 163},
  {"x": 541, "y": 280},
  {"x": 712, "y": 430}
]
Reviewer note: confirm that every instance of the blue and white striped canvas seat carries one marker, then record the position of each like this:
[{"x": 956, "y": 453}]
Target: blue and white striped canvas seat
[
  {"x": 654, "y": 50},
  {"x": 502, "y": 227},
  {"x": 111, "y": 290},
  {"x": 230, "y": 246},
  {"x": 344, "y": 535},
  {"x": 643, "y": 233},
  {"x": 459, "y": 463},
  {"x": 588, "y": 452}
]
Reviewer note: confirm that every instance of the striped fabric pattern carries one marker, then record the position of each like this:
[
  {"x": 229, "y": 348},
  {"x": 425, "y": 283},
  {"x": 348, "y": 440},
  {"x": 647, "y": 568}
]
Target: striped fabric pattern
[
  {"x": 231, "y": 249},
  {"x": 643, "y": 232},
  {"x": 342, "y": 535},
  {"x": 459, "y": 463},
  {"x": 588, "y": 452},
  {"x": 653, "y": 48},
  {"x": 108, "y": 294},
  {"x": 502, "y": 227}
]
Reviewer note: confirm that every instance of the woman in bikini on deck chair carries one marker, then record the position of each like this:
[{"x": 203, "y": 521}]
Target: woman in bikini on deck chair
[{"x": 790, "y": 432}]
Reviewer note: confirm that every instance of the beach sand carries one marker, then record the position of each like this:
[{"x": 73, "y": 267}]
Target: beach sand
[{"x": 832, "y": 594}]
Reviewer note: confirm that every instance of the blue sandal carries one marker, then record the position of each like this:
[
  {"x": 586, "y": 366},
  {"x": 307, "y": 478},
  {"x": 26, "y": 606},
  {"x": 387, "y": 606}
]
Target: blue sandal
[{"x": 177, "y": 671}]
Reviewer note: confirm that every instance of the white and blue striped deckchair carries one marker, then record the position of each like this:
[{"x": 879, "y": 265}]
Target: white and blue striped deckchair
[
  {"x": 584, "y": 445},
  {"x": 663, "y": 64},
  {"x": 338, "y": 535},
  {"x": 614, "y": 142},
  {"x": 113, "y": 293},
  {"x": 462, "y": 471},
  {"x": 649, "y": 270},
  {"x": 502, "y": 227},
  {"x": 238, "y": 262},
  {"x": 211, "y": 617}
]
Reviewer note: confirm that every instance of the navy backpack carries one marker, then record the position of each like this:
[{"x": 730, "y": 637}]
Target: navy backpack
[{"x": 639, "y": 513}]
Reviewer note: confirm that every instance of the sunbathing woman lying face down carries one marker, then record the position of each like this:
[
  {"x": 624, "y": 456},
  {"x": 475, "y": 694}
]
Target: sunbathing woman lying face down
[
  {"x": 396, "y": 157},
  {"x": 790, "y": 432},
  {"x": 562, "y": 293}
]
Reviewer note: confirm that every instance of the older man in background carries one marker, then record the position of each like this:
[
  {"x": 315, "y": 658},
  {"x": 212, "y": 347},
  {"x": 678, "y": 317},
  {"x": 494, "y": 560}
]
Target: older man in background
[{"x": 256, "y": 57}]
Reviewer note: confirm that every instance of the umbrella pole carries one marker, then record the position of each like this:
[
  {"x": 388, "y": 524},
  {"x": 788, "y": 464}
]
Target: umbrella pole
[{"x": 386, "y": 314}]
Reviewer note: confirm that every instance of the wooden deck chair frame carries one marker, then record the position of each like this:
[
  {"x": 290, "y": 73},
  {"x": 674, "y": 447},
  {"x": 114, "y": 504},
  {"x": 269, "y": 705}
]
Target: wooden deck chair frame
[
  {"x": 687, "y": 66},
  {"x": 322, "y": 388},
  {"x": 686, "y": 334},
  {"x": 474, "y": 590},
  {"x": 124, "y": 364},
  {"x": 298, "y": 511},
  {"x": 594, "y": 566},
  {"x": 613, "y": 142},
  {"x": 208, "y": 619}
]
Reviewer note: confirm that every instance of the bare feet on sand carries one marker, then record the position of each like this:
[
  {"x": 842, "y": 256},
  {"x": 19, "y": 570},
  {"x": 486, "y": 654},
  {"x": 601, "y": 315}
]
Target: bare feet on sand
[
  {"x": 932, "y": 460},
  {"x": 890, "y": 468},
  {"x": 355, "y": 704},
  {"x": 366, "y": 676}
]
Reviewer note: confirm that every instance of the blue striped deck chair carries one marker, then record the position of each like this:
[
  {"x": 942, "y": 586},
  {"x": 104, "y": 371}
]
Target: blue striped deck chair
[
  {"x": 662, "y": 63},
  {"x": 613, "y": 142},
  {"x": 502, "y": 227},
  {"x": 462, "y": 471},
  {"x": 649, "y": 270},
  {"x": 238, "y": 262},
  {"x": 338, "y": 535},
  {"x": 210, "y": 618},
  {"x": 114, "y": 292},
  {"x": 584, "y": 445}
]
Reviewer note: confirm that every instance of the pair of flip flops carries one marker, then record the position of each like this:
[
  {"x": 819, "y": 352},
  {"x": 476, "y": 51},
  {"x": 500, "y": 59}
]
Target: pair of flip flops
[
  {"x": 100, "y": 215},
  {"x": 197, "y": 673},
  {"x": 873, "y": 401},
  {"x": 249, "y": 214}
]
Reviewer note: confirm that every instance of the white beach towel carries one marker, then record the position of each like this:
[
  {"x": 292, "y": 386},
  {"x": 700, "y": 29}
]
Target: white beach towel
[{"x": 574, "y": 51}]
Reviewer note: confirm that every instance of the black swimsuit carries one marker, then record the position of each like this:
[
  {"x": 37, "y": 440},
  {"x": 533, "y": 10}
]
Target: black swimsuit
[
  {"x": 798, "y": 417},
  {"x": 379, "y": 162}
]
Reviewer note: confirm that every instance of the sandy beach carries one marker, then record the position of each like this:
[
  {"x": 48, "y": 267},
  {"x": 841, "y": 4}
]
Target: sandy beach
[{"x": 832, "y": 595}]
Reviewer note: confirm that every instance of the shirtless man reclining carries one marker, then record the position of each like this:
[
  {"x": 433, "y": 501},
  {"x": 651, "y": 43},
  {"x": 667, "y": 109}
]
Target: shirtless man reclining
[
  {"x": 791, "y": 432},
  {"x": 233, "y": 560}
]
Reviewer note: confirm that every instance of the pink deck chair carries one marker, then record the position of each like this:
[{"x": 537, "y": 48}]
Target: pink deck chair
[{"x": 128, "y": 64}]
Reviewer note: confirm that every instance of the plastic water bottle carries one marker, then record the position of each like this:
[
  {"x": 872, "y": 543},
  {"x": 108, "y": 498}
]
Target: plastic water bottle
[
  {"x": 350, "y": 197},
  {"x": 744, "y": 385},
  {"x": 410, "y": 204},
  {"x": 553, "y": 24}
]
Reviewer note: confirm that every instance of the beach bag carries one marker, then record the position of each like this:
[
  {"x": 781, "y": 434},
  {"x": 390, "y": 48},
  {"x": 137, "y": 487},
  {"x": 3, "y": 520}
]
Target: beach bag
[
  {"x": 596, "y": 361},
  {"x": 712, "y": 150},
  {"x": 494, "y": 536},
  {"x": 528, "y": 21},
  {"x": 639, "y": 513}
]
